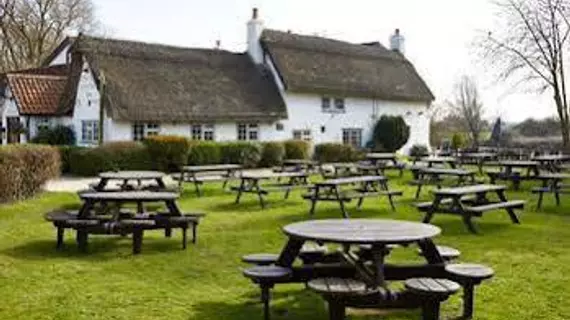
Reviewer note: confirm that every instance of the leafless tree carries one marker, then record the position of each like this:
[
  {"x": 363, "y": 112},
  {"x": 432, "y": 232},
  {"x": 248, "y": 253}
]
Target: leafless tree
[
  {"x": 31, "y": 29},
  {"x": 467, "y": 106},
  {"x": 528, "y": 47}
]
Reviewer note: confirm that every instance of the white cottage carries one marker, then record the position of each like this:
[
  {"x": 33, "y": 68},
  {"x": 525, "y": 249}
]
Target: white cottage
[{"x": 285, "y": 86}]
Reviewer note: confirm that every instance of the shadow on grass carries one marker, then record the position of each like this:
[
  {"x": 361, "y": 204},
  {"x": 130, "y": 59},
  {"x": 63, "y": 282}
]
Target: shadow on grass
[
  {"x": 249, "y": 205},
  {"x": 291, "y": 305},
  {"x": 99, "y": 249}
]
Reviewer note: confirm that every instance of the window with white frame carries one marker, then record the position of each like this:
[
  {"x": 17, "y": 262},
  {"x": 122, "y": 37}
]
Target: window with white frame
[
  {"x": 326, "y": 104},
  {"x": 143, "y": 130},
  {"x": 352, "y": 136},
  {"x": 203, "y": 132},
  {"x": 302, "y": 135},
  {"x": 89, "y": 131},
  {"x": 332, "y": 105},
  {"x": 248, "y": 131},
  {"x": 339, "y": 104},
  {"x": 43, "y": 123}
]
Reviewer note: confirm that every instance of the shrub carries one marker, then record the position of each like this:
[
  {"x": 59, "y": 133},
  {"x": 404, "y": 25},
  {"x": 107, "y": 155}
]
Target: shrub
[
  {"x": 168, "y": 153},
  {"x": 336, "y": 152},
  {"x": 24, "y": 170},
  {"x": 65, "y": 156},
  {"x": 125, "y": 155},
  {"x": 297, "y": 149},
  {"x": 457, "y": 141},
  {"x": 205, "y": 152},
  {"x": 56, "y": 136},
  {"x": 247, "y": 154},
  {"x": 418, "y": 151},
  {"x": 391, "y": 133},
  {"x": 272, "y": 154}
]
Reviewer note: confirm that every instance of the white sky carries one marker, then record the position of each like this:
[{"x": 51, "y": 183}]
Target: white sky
[{"x": 439, "y": 34}]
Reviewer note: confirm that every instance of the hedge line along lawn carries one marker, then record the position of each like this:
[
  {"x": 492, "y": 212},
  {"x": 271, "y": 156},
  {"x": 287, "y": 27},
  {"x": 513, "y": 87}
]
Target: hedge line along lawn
[{"x": 531, "y": 260}]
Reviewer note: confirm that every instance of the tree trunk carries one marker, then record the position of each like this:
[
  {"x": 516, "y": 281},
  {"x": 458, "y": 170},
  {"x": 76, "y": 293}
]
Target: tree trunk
[{"x": 564, "y": 125}]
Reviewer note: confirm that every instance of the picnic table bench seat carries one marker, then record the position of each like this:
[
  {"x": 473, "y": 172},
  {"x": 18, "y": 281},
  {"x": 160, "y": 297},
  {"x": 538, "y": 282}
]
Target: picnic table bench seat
[
  {"x": 424, "y": 206},
  {"x": 266, "y": 277},
  {"x": 335, "y": 290},
  {"x": 447, "y": 253},
  {"x": 260, "y": 259},
  {"x": 469, "y": 275},
  {"x": 432, "y": 292},
  {"x": 512, "y": 204}
]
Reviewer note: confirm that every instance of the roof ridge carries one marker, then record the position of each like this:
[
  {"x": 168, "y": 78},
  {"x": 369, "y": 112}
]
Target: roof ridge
[{"x": 32, "y": 75}]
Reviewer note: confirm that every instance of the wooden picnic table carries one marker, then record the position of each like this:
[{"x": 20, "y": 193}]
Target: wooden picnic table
[
  {"x": 510, "y": 170},
  {"x": 194, "y": 175},
  {"x": 551, "y": 183},
  {"x": 250, "y": 183},
  {"x": 368, "y": 186},
  {"x": 478, "y": 158},
  {"x": 450, "y": 161},
  {"x": 375, "y": 157},
  {"x": 469, "y": 201},
  {"x": 385, "y": 161},
  {"x": 340, "y": 169},
  {"x": 433, "y": 176},
  {"x": 120, "y": 198},
  {"x": 127, "y": 176},
  {"x": 377, "y": 233},
  {"x": 552, "y": 162},
  {"x": 289, "y": 165}
]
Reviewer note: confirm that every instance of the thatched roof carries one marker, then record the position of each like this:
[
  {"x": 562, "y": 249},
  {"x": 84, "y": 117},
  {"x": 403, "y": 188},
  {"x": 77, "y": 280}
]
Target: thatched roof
[
  {"x": 316, "y": 64},
  {"x": 150, "y": 82}
]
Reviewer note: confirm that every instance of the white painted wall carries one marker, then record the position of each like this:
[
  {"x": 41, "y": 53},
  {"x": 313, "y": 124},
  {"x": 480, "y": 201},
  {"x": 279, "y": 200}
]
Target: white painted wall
[
  {"x": 10, "y": 109},
  {"x": 61, "y": 58},
  {"x": 87, "y": 104}
]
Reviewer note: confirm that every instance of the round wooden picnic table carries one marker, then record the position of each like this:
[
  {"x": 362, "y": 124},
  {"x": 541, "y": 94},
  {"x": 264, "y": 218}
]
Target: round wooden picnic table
[{"x": 362, "y": 231}]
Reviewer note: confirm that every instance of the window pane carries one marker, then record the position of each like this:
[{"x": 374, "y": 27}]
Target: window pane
[
  {"x": 326, "y": 103},
  {"x": 296, "y": 134},
  {"x": 196, "y": 132},
  {"x": 339, "y": 103},
  {"x": 138, "y": 132},
  {"x": 242, "y": 132},
  {"x": 209, "y": 132}
]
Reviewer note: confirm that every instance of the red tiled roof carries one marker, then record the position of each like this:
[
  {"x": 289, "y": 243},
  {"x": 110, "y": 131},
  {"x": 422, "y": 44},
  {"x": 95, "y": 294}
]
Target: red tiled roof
[{"x": 37, "y": 94}]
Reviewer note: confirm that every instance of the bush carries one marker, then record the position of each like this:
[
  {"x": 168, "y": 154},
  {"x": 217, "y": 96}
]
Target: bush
[
  {"x": 297, "y": 149},
  {"x": 418, "y": 151},
  {"x": 65, "y": 156},
  {"x": 457, "y": 141},
  {"x": 336, "y": 152},
  {"x": 205, "y": 152},
  {"x": 247, "y": 154},
  {"x": 168, "y": 153},
  {"x": 272, "y": 154},
  {"x": 24, "y": 170},
  {"x": 391, "y": 133},
  {"x": 127, "y": 155},
  {"x": 56, "y": 136}
]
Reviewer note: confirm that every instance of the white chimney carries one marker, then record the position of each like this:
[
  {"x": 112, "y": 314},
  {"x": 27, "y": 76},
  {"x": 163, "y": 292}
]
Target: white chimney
[
  {"x": 254, "y": 29},
  {"x": 397, "y": 42}
]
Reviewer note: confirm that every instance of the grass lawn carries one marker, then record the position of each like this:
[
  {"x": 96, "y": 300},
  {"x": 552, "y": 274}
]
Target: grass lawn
[{"x": 531, "y": 260}]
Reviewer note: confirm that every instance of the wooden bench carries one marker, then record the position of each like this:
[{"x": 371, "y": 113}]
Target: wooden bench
[
  {"x": 447, "y": 253},
  {"x": 431, "y": 292},
  {"x": 260, "y": 259},
  {"x": 266, "y": 277},
  {"x": 424, "y": 206},
  {"x": 469, "y": 276},
  {"x": 512, "y": 204},
  {"x": 335, "y": 291},
  {"x": 349, "y": 195}
]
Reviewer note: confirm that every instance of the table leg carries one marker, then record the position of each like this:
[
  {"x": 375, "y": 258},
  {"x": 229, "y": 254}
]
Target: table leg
[
  {"x": 556, "y": 191},
  {"x": 290, "y": 252},
  {"x": 82, "y": 239},
  {"x": 181, "y": 181},
  {"x": 196, "y": 184},
  {"x": 255, "y": 186},
  {"x": 468, "y": 298},
  {"x": 432, "y": 209},
  {"x": 85, "y": 209},
  {"x": 541, "y": 194},
  {"x": 314, "y": 199},
  {"x": 240, "y": 190},
  {"x": 101, "y": 185},
  {"x": 510, "y": 211},
  {"x": 340, "y": 202},
  {"x": 464, "y": 214},
  {"x": 161, "y": 183},
  {"x": 384, "y": 186},
  {"x": 378, "y": 253},
  {"x": 173, "y": 208},
  {"x": 430, "y": 252}
]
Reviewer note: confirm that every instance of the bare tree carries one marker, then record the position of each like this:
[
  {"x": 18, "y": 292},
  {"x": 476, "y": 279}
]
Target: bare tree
[
  {"x": 529, "y": 48},
  {"x": 31, "y": 29},
  {"x": 468, "y": 107}
]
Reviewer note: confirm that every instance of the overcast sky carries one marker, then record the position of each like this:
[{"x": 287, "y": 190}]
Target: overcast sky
[{"x": 439, "y": 34}]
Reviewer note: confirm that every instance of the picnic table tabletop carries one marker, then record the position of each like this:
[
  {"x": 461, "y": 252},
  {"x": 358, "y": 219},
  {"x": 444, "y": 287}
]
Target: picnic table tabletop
[
  {"x": 439, "y": 159},
  {"x": 479, "y": 155},
  {"x": 299, "y": 162},
  {"x": 519, "y": 163},
  {"x": 135, "y": 196},
  {"x": 552, "y": 157},
  {"x": 272, "y": 175},
  {"x": 553, "y": 176},
  {"x": 132, "y": 175},
  {"x": 350, "y": 180},
  {"x": 466, "y": 190},
  {"x": 361, "y": 231},
  {"x": 381, "y": 156},
  {"x": 212, "y": 167},
  {"x": 341, "y": 165},
  {"x": 446, "y": 171}
]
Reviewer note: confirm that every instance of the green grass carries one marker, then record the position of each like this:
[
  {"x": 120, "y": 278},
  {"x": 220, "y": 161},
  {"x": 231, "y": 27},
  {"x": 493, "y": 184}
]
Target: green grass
[{"x": 531, "y": 260}]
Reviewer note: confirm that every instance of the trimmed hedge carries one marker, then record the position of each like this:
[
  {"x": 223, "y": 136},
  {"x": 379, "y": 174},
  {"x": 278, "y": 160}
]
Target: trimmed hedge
[
  {"x": 336, "y": 152},
  {"x": 25, "y": 168},
  {"x": 272, "y": 154},
  {"x": 247, "y": 154},
  {"x": 125, "y": 155},
  {"x": 391, "y": 133},
  {"x": 204, "y": 152},
  {"x": 168, "y": 153},
  {"x": 297, "y": 149}
]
